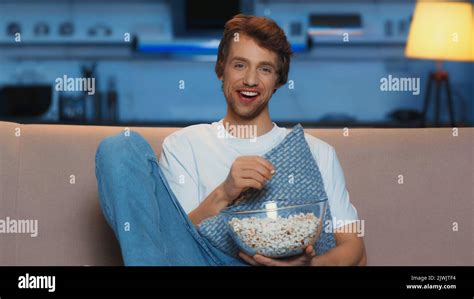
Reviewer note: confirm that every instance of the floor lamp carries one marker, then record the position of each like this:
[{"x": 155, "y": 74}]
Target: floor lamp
[{"x": 441, "y": 31}]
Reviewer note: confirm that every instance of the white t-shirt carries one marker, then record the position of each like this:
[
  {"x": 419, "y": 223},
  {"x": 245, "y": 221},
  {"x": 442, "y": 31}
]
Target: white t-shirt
[{"x": 196, "y": 159}]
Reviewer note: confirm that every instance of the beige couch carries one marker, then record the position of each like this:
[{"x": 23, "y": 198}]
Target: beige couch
[{"x": 405, "y": 224}]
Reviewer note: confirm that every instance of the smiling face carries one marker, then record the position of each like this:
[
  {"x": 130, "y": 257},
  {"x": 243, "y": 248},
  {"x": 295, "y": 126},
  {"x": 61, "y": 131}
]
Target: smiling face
[{"x": 249, "y": 79}]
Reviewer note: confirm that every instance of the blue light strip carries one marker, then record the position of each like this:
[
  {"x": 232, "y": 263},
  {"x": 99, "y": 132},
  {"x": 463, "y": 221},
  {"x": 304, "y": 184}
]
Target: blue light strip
[{"x": 192, "y": 49}]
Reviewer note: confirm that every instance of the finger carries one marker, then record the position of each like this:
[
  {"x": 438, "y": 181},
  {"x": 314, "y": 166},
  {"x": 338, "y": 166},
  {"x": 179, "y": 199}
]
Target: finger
[
  {"x": 268, "y": 261},
  {"x": 250, "y": 183},
  {"x": 298, "y": 260},
  {"x": 263, "y": 162},
  {"x": 247, "y": 258},
  {"x": 253, "y": 174},
  {"x": 302, "y": 259},
  {"x": 310, "y": 251},
  {"x": 255, "y": 166}
]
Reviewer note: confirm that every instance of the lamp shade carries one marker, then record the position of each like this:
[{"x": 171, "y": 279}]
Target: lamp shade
[{"x": 442, "y": 30}]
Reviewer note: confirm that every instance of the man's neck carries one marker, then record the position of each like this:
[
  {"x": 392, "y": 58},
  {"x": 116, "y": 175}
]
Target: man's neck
[{"x": 263, "y": 123}]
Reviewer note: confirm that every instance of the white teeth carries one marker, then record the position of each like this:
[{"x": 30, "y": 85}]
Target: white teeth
[{"x": 249, "y": 93}]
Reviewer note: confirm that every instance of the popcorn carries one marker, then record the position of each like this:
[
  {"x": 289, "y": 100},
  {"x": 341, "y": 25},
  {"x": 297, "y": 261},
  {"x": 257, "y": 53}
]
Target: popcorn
[{"x": 277, "y": 237}]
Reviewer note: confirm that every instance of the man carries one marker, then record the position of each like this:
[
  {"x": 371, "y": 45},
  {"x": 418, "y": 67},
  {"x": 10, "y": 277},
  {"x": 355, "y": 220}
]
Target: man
[{"x": 207, "y": 170}]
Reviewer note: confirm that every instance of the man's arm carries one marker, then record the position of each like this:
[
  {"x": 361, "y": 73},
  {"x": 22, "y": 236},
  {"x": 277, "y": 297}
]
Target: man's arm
[
  {"x": 177, "y": 164},
  {"x": 246, "y": 172},
  {"x": 212, "y": 205},
  {"x": 349, "y": 250}
]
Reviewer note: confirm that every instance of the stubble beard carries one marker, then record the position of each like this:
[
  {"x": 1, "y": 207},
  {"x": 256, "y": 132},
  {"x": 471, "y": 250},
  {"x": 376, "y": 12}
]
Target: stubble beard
[{"x": 244, "y": 114}]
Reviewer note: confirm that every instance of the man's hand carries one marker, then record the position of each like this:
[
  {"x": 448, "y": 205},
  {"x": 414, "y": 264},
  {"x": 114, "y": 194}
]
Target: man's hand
[
  {"x": 303, "y": 259},
  {"x": 247, "y": 172}
]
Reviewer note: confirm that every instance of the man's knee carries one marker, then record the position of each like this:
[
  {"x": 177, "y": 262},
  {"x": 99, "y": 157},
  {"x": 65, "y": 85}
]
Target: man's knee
[
  {"x": 109, "y": 145},
  {"x": 120, "y": 146}
]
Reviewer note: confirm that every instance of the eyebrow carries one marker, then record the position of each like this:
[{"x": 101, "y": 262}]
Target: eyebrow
[{"x": 260, "y": 63}]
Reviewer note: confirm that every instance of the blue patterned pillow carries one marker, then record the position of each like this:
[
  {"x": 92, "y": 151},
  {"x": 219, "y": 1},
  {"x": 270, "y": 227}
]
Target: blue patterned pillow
[{"x": 296, "y": 181}]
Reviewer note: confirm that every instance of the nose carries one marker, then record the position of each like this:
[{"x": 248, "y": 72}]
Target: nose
[{"x": 251, "y": 78}]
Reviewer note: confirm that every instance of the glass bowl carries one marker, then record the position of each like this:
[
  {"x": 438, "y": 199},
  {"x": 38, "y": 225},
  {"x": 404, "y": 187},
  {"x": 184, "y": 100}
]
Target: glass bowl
[{"x": 275, "y": 231}]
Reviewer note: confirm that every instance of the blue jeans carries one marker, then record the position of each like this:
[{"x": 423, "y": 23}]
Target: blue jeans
[{"x": 147, "y": 219}]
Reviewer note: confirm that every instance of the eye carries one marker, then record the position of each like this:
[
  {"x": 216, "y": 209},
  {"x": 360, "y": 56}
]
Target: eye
[
  {"x": 239, "y": 65},
  {"x": 267, "y": 69}
]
